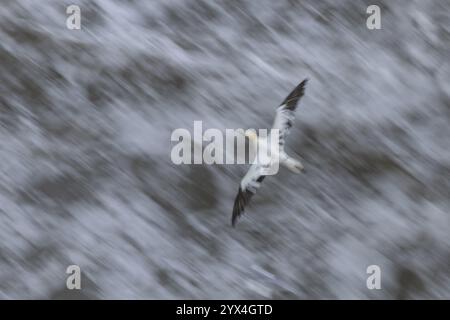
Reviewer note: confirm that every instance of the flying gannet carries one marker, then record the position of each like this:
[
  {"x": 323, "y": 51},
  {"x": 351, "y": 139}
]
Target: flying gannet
[{"x": 284, "y": 117}]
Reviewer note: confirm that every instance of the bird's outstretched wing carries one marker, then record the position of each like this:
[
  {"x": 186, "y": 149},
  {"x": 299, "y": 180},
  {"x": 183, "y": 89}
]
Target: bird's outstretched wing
[
  {"x": 286, "y": 112},
  {"x": 249, "y": 184}
]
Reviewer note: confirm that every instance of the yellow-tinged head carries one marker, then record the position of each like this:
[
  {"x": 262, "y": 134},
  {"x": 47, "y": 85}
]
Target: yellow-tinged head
[{"x": 251, "y": 134}]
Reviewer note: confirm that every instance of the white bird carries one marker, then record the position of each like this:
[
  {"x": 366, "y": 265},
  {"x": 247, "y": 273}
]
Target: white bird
[{"x": 284, "y": 117}]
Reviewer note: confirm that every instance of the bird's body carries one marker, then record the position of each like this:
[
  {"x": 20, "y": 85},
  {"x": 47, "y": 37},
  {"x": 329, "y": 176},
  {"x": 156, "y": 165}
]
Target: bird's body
[{"x": 276, "y": 156}]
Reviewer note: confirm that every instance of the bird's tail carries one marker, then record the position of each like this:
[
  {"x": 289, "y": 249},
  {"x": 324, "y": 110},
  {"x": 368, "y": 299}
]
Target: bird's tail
[{"x": 294, "y": 165}]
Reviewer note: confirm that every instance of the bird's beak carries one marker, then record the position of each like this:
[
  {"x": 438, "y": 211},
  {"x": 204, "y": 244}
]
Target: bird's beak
[{"x": 241, "y": 132}]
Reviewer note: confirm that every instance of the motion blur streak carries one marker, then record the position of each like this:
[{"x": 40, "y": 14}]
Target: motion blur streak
[{"x": 85, "y": 170}]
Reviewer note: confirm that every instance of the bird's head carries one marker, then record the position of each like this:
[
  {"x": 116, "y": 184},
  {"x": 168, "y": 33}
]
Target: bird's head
[{"x": 251, "y": 134}]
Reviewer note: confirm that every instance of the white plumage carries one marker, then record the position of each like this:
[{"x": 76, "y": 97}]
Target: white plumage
[{"x": 284, "y": 118}]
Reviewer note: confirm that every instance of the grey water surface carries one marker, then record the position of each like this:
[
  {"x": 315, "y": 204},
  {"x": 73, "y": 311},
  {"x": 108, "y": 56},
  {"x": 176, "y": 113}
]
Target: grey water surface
[{"x": 86, "y": 176}]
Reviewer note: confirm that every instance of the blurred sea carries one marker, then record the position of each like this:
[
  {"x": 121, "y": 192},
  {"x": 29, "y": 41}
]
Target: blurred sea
[{"x": 85, "y": 171}]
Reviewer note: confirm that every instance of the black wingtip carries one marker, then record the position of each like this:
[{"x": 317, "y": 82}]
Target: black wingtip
[
  {"x": 242, "y": 199},
  {"x": 233, "y": 222},
  {"x": 237, "y": 208},
  {"x": 298, "y": 92},
  {"x": 304, "y": 83}
]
